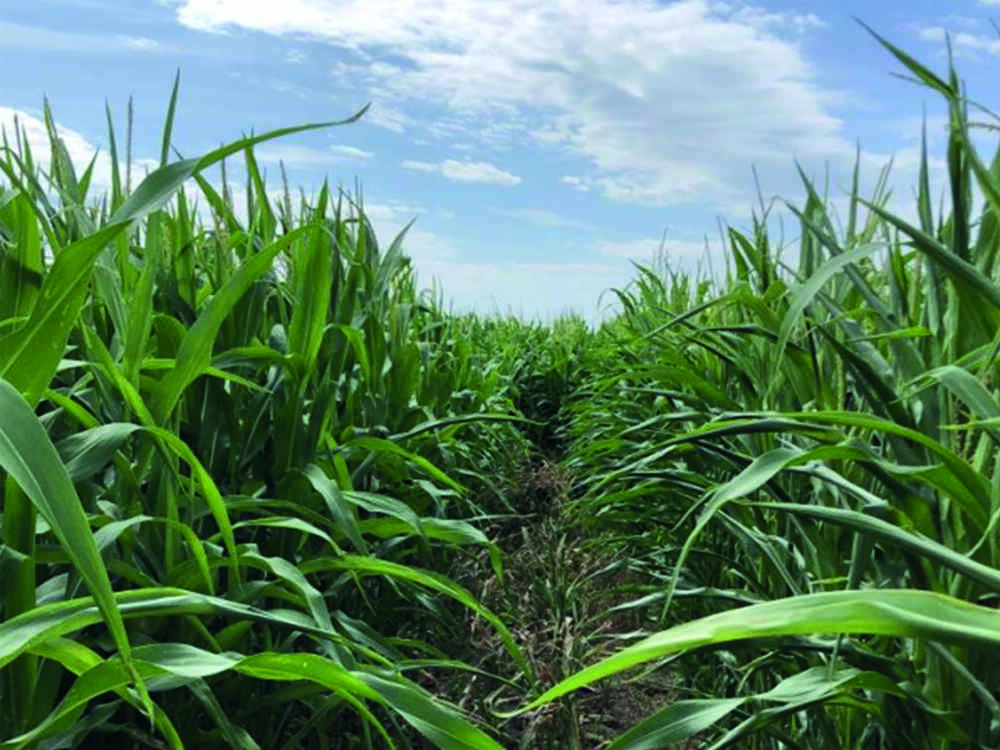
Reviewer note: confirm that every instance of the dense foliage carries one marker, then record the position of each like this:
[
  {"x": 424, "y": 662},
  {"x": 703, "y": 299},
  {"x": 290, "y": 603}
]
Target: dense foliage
[
  {"x": 241, "y": 448},
  {"x": 259, "y": 492}
]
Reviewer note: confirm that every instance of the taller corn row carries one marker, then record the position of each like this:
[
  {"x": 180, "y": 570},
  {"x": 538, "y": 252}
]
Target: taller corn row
[{"x": 801, "y": 463}]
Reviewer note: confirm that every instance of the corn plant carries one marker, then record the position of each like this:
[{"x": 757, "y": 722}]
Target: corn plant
[
  {"x": 222, "y": 443},
  {"x": 801, "y": 461}
]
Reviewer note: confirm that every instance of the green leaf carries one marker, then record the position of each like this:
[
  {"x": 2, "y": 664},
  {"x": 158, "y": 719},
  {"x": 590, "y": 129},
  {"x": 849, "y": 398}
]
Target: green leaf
[
  {"x": 195, "y": 354},
  {"x": 676, "y": 723},
  {"x": 893, "y": 612},
  {"x": 28, "y": 455}
]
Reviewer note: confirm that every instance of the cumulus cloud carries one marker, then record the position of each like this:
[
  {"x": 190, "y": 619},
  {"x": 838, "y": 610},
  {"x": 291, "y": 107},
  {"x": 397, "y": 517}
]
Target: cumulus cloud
[
  {"x": 660, "y": 104},
  {"x": 34, "y": 134},
  {"x": 81, "y": 149},
  {"x": 465, "y": 171},
  {"x": 661, "y": 100}
]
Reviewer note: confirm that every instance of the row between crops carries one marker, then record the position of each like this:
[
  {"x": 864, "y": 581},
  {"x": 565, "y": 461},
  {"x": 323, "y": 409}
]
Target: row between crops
[{"x": 258, "y": 491}]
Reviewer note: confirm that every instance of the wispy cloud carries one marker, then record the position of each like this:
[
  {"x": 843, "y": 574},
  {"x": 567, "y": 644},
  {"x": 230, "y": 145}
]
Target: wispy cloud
[
  {"x": 20, "y": 36},
  {"x": 308, "y": 156},
  {"x": 956, "y": 20},
  {"x": 911, "y": 128},
  {"x": 384, "y": 116},
  {"x": 137, "y": 43},
  {"x": 661, "y": 100},
  {"x": 532, "y": 290},
  {"x": 761, "y": 18},
  {"x": 466, "y": 171},
  {"x": 395, "y": 212},
  {"x": 963, "y": 41},
  {"x": 543, "y": 218},
  {"x": 576, "y": 182},
  {"x": 350, "y": 152},
  {"x": 686, "y": 254}
]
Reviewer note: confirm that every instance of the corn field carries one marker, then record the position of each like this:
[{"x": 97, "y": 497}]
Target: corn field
[{"x": 260, "y": 491}]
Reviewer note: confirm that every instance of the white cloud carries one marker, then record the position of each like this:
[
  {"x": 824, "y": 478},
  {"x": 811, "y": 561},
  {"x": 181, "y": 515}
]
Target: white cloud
[
  {"x": 21, "y": 36},
  {"x": 426, "y": 248},
  {"x": 761, "y": 18},
  {"x": 137, "y": 43},
  {"x": 963, "y": 41},
  {"x": 699, "y": 259},
  {"x": 533, "y": 290},
  {"x": 396, "y": 212},
  {"x": 350, "y": 152},
  {"x": 79, "y": 148},
  {"x": 543, "y": 218},
  {"x": 681, "y": 253},
  {"x": 295, "y": 56},
  {"x": 309, "y": 156},
  {"x": 387, "y": 117},
  {"x": 664, "y": 104},
  {"x": 583, "y": 184},
  {"x": 662, "y": 101},
  {"x": 539, "y": 290},
  {"x": 34, "y": 132},
  {"x": 246, "y": 77},
  {"x": 911, "y": 128},
  {"x": 968, "y": 22},
  {"x": 466, "y": 171}
]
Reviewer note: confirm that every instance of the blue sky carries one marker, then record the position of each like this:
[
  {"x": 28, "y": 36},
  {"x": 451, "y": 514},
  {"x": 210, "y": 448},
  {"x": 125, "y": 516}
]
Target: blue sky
[{"x": 541, "y": 145}]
